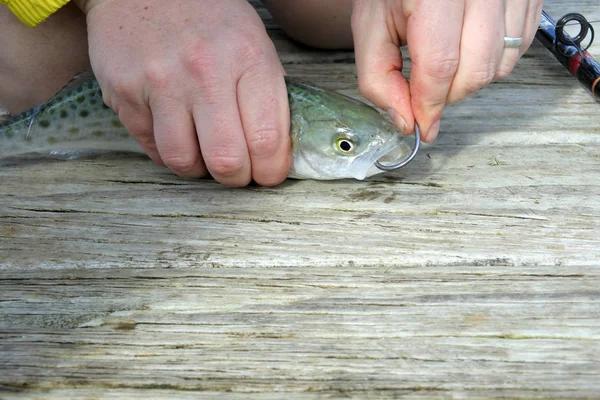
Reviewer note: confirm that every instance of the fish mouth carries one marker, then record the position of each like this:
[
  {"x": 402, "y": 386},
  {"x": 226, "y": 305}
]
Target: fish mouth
[{"x": 390, "y": 153}]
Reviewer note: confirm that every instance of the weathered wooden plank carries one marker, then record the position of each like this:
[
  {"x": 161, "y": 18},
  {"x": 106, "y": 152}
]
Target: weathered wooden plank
[
  {"x": 472, "y": 273},
  {"x": 305, "y": 329},
  {"x": 502, "y": 205},
  {"x": 329, "y": 394}
]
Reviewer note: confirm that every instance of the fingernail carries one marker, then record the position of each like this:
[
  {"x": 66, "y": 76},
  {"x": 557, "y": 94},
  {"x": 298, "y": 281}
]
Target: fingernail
[
  {"x": 398, "y": 120},
  {"x": 432, "y": 132}
]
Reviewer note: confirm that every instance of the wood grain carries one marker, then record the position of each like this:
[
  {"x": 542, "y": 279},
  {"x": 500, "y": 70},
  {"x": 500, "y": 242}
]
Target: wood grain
[{"x": 471, "y": 273}]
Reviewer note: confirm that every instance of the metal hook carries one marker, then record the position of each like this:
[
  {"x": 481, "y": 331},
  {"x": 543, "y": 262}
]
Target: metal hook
[{"x": 407, "y": 159}]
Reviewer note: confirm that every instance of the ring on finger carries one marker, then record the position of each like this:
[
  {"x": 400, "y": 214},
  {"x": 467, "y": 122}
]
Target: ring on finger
[{"x": 512, "y": 42}]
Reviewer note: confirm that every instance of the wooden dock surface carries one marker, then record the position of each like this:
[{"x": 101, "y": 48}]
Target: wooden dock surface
[{"x": 471, "y": 273}]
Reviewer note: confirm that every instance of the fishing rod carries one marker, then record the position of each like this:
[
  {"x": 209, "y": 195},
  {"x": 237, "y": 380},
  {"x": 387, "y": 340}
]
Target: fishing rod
[{"x": 571, "y": 51}]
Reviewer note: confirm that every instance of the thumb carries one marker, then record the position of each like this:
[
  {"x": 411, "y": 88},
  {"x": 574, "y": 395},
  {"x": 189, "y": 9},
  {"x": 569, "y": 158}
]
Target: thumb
[{"x": 379, "y": 63}]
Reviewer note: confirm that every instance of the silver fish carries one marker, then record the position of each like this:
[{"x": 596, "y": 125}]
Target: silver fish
[{"x": 333, "y": 136}]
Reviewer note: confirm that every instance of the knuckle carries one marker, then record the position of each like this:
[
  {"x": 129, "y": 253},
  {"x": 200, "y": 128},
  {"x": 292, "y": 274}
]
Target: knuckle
[
  {"x": 146, "y": 140},
  {"x": 205, "y": 72},
  {"x": 479, "y": 78},
  {"x": 368, "y": 87},
  {"x": 507, "y": 64},
  {"x": 137, "y": 125},
  {"x": 224, "y": 165},
  {"x": 201, "y": 62},
  {"x": 264, "y": 143},
  {"x": 504, "y": 70},
  {"x": 157, "y": 74},
  {"x": 123, "y": 90},
  {"x": 182, "y": 164},
  {"x": 440, "y": 66},
  {"x": 148, "y": 144}
]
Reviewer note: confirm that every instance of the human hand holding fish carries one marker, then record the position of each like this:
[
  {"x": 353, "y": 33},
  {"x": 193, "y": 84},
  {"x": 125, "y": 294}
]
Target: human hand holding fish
[
  {"x": 456, "y": 49},
  {"x": 200, "y": 87},
  {"x": 202, "y": 99},
  {"x": 197, "y": 83}
]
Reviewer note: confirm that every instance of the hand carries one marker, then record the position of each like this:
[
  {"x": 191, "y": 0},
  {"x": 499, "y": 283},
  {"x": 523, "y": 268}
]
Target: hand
[
  {"x": 456, "y": 48},
  {"x": 197, "y": 83}
]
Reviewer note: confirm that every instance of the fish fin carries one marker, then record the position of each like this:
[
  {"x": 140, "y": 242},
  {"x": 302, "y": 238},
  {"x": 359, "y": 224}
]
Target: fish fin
[
  {"x": 84, "y": 76},
  {"x": 34, "y": 112}
]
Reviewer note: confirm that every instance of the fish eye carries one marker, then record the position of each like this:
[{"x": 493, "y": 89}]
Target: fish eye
[{"x": 345, "y": 145}]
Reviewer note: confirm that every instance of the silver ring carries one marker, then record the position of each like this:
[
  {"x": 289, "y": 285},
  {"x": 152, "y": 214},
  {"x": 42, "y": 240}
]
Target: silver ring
[{"x": 512, "y": 42}]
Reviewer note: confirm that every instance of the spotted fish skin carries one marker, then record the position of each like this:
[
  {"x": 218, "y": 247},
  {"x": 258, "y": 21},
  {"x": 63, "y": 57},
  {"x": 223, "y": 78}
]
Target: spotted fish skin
[
  {"x": 76, "y": 118},
  {"x": 76, "y": 122}
]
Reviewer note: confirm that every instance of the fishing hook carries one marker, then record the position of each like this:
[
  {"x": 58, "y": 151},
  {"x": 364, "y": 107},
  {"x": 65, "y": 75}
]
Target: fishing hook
[{"x": 407, "y": 159}]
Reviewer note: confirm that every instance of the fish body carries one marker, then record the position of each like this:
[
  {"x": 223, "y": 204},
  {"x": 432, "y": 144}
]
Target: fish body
[{"x": 333, "y": 136}]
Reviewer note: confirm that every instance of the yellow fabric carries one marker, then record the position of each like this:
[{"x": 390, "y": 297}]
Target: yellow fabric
[{"x": 32, "y": 12}]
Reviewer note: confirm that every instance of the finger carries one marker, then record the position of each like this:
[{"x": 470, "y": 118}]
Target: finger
[
  {"x": 515, "y": 15},
  {"x": 220, "y": 134},
  {"x": 481, "y": 48},
  {"x": 175, "y": 137},
  {"x": 137, "y": 119},
  {"x": 379, "y": 63},
  {"x": 265, "y": 115},
  {"x": 434, "y": 32},
  {"x": 532, "y": 23}
]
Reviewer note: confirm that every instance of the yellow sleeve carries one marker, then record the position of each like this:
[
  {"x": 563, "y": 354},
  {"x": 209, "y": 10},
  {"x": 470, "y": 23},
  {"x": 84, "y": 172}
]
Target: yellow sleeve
[{"x": 32, "y": 12}]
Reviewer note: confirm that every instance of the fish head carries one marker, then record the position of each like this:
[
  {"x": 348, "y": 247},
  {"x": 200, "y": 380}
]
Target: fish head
[{"x": 343, "y": 138}]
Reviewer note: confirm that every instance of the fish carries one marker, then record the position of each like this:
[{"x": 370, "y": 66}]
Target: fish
[{"x": 333, "y": 136}]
